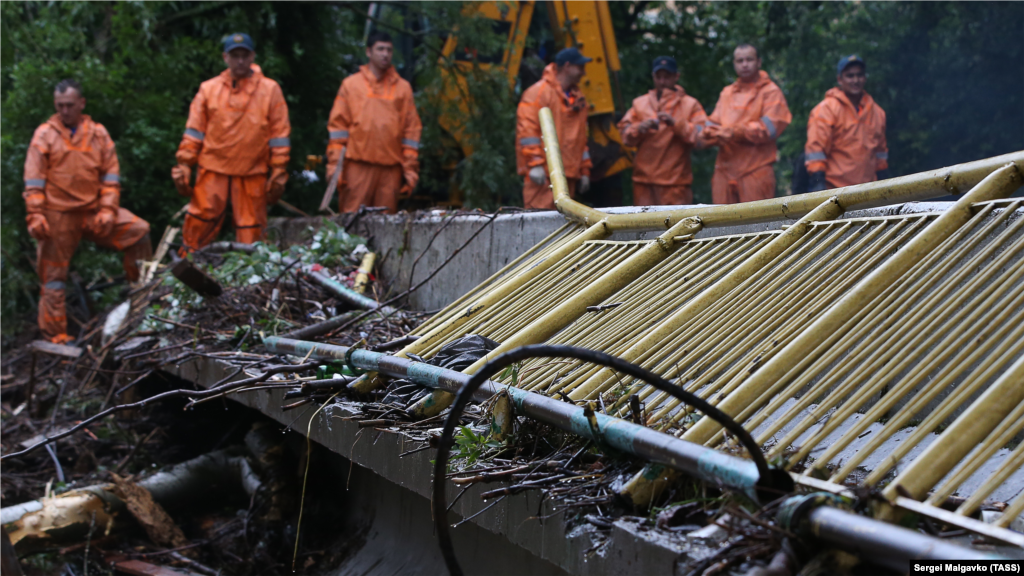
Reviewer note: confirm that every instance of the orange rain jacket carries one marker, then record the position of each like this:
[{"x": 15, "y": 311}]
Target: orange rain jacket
[
  {"x": 66, "y": 172},
  {"x": 570, "y": 113},
  {"x": 757, "y": 114},
  {"x": 376, "y": 120},
  {"x": 663, "y": 155},
  {"x": 238, "y": 129},
  {"x": 845, "y": 143}
]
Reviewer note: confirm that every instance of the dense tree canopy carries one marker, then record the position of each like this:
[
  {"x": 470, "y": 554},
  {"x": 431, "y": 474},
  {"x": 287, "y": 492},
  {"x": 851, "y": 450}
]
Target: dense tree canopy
[{"x": 949, "y": 75}]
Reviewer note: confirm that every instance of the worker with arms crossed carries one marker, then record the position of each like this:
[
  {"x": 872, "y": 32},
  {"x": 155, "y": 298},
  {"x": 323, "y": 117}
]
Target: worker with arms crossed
[
  {"x": 846, "y": 133},
  {"x": 73, "y": 191},
  {"x": 664, "y": 125},
  {"x": 374, "y": 121},
  {"x": 558, "y": 90},
  {"x": 750, "y": 115},
  {"x": 238, "y": 134}
]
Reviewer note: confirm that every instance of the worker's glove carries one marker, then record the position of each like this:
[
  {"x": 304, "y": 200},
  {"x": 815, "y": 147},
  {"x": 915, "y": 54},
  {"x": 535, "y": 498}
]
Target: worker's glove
[
  {"x": 649, "y": 125},
  {"x": 584, "y": 185},
  {"x": 103, "y": 222},
  {"x": 182, "y": 176},
  {"x": 38, "y": 227},
  {"x": 666, "y": 118},
  {"x": 882, "y": 174},
  {"x": 537, "y": 175},
  {"x": 275, "y": 184},
  {"x": 816, "y": 182}
]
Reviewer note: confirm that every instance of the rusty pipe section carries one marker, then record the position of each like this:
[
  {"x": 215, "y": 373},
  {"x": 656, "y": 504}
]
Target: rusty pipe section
[{"x": 839, "y": 527}]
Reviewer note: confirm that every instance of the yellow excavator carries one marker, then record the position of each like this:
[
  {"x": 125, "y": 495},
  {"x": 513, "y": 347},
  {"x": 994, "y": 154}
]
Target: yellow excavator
[{"x": 585, "y": 25}]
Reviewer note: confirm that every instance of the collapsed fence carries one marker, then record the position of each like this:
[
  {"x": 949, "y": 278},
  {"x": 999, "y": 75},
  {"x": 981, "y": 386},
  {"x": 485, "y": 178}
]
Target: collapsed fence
[{"x": 827, "y": 338}]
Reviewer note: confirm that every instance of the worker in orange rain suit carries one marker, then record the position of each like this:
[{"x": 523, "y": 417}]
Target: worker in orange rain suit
[
  {"x": 664, "y": 125},
  {"x": 73, "y": 191},
  {"x": 750, "y": 115},
  {"x": 237, "y": 132},
  {"x": 374, "y": 119},
  {"x": 558, "y": 90},
  {"x": 846, "y": 133}
]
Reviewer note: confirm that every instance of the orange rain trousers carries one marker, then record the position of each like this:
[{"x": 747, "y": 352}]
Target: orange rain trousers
[
  {"x": 130, "y": 235},
  {"x": 654, "y": 195},
  {"x": 539, "y": 196},
  {"x": 756, "y": 185},
  {"x": 370, "y": 185},
  {"x": 209, "y": 207}
]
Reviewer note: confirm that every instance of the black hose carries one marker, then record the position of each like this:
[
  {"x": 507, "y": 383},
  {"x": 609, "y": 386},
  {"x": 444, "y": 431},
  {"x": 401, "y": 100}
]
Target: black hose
[{"x": 439, "y": 500}]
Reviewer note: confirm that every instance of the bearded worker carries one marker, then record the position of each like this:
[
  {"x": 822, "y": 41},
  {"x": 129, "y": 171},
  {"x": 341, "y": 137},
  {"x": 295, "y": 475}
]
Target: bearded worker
[
  {"x": 374, "y": 121},
  {"x": 750, "y": 115},
  {"x": 558, "y": 90},
  {"x": 73, "y": 191},
  {"x": 846, "y": 133},
  {"x": 238, "y": 135}
]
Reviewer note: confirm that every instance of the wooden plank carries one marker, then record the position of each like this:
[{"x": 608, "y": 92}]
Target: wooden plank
[{"x": 56, "y": 349}]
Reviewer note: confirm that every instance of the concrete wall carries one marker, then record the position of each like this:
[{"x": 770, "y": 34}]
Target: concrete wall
[{"x": 403, "y": 238}]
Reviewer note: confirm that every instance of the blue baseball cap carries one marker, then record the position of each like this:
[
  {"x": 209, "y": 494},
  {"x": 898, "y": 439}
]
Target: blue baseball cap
[
  {"x": 238, "y": 40},
  {"x": 845, "y": 61},
  {"x": 664, "y": 63},
  {"x": 571, "y": 56}
]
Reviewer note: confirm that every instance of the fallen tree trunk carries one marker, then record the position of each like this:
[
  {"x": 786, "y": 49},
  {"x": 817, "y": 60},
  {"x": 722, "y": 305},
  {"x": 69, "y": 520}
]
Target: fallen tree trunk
[{"x": 39, "y": 523}]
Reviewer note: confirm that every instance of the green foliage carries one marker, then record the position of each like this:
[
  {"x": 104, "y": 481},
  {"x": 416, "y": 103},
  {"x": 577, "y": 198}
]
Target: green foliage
[
  {"x": 947, "y": 75},
  {"x": 470, "y": 447}
]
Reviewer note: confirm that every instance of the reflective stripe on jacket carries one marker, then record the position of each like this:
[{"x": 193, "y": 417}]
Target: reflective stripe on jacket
[
  {"x": 67, "y": 172},
  {"x": 237, "y": 127},
  {"x": 570, "y": 115},
  {"x": 847, "y": 144},
  {"x": 758, "y": 114},
  {"x": 663, "y": 155},
  {"x": 376, "y": 119}
]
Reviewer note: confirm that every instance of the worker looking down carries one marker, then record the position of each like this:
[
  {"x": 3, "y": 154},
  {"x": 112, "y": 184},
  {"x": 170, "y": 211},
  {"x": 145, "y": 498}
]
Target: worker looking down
[
  {"x": 374, "y": 121},
  {"x": 750, "y": 115},
  {"x": 237, "y": 133},
  {"x": 846, "y": 133},
  {"x": 73, "y": 191},
  {"x": 664, "y": 125},
  {"x": 558, "y": 90}
]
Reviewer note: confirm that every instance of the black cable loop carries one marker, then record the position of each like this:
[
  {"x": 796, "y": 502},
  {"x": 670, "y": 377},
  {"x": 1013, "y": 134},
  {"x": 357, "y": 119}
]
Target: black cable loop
[{"x": 462, "y": 399}]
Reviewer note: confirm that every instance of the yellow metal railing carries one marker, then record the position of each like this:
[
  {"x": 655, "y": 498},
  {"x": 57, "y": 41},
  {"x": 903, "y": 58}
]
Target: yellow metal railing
[{"x": 842, "y": 344}]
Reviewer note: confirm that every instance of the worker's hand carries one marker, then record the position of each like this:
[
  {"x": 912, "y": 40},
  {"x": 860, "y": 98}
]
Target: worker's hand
[
  {"x": 405, "y": 191},
  {"x": 103, "y": 222},
  {"x": 538, "y": 175},
  {"x": 584, "y": 185},
  {"x": 816, "y": 182},
  {"x": 333, "y": 154},
  {"x": 666, "y": 118},
  {"x": 410, "y": 178},
  {"x": 718, "y": 134},
  {"x": 649, "y": 125},
  {"x": 182, "y": 176},
  {"x": 275, "y": 184},
  {"x": 38, "y": 227}
]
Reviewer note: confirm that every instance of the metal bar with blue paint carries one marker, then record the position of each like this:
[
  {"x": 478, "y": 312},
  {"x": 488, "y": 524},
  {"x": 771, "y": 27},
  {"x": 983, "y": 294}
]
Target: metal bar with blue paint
[{"x": 703, "y": 463}]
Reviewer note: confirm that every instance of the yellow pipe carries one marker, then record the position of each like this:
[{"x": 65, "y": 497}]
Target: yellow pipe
[
  {"x": 828, "y": 210},
  {"x": 559, "y": 186},
  {"x": 570, "y": 310},
  {"x": 363, "y": 274},
  {"x": 952, "y": 180},
  {"x": 966, "y": 432},
  {"x": 766, "y": 381}
]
